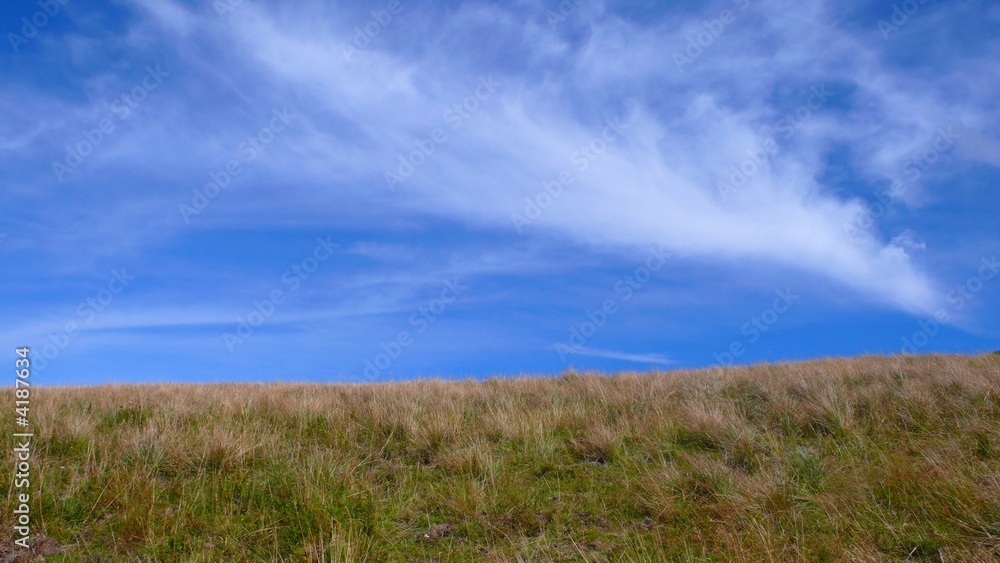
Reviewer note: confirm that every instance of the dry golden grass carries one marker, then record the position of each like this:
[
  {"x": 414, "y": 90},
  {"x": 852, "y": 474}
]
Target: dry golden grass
[{"x": 867, "y": 459}]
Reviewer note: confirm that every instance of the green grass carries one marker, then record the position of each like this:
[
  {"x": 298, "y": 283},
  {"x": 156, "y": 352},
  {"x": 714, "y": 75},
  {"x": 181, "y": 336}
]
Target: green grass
[{"x": 870, "y": 459}]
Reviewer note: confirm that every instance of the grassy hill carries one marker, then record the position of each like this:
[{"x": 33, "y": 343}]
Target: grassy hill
[{"x": 868, "y": 459}]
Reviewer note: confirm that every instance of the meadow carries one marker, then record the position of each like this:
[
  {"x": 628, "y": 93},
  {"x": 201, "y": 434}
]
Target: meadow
[{"x": 864, "y": 459}]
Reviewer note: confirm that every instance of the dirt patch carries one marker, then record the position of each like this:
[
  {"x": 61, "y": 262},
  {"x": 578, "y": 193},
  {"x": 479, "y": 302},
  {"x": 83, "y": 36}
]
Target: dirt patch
[
  {"x": 42, "y": 546},
  {"x": 46, "y": 546},
  {"x": 437, "y": 531}
]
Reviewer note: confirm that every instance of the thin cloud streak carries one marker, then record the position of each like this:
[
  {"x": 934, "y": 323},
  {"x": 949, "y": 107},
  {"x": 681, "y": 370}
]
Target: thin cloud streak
[{"x": 650, "y": 358}]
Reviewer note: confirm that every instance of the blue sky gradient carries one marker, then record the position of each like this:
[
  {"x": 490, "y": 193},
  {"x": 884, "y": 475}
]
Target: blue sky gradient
[{"x": 330, "y": 191}]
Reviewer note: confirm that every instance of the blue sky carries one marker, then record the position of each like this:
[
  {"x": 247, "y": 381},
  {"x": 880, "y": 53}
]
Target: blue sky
[{"x": 324, "y": 191}]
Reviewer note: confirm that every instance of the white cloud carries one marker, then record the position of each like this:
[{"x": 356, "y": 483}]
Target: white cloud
[
  {"x": 626, "y": 356},
  {"x": 648, "y": 188},
  {"x": 654, "y": 185},
  {"x": 170, "y": 15}
]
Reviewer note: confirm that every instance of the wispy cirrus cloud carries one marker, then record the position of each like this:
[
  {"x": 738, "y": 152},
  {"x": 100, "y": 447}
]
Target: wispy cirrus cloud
[
  {"x": 654, "y": 186},
  {"x": 681, "y": 131},
  {"x": 649, "y": 358}
]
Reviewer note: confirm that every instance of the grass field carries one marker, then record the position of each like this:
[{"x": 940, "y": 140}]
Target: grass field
[{"x": 868, "y": 459}]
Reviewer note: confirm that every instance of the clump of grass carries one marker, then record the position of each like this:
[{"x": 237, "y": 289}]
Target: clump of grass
[
  {"x": 806, "y": 469},
  {"x": 874, "y": 458}
]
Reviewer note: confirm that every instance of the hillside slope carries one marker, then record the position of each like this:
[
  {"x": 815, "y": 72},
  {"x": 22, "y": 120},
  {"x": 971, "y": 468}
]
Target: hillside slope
[{"x": 874, "y": 458}]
